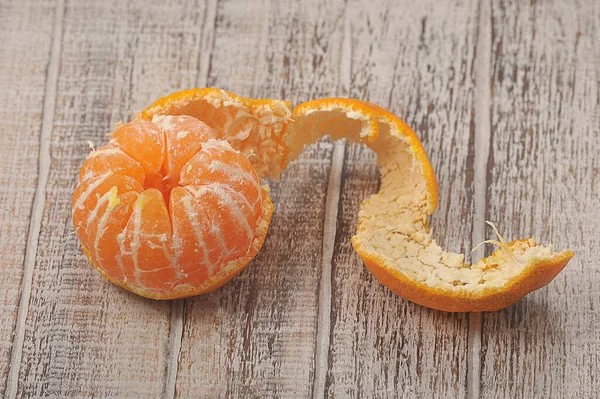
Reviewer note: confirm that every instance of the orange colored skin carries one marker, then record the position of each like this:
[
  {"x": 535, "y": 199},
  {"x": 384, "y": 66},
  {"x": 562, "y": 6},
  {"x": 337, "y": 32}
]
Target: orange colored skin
[
  {"x": 163, "y": 105},
  {"x": 376, "y": 113},
  {"x": 488, "y": 299}
]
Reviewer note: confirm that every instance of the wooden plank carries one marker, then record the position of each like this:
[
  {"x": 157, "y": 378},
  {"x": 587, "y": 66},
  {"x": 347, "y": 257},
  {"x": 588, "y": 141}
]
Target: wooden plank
[
  {"x": 544, "y": 183},
  {"x": 26, "y": 30},
  {"x": 85, "y": 337},
  {"x": 256, "y": 336},
  {"x": 415, "y": 58},
  {"x": 480, "y": 170}
]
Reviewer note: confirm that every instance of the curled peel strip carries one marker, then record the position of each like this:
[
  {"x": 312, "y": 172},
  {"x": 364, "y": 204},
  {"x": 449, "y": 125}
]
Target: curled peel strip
[{"x": 393, "y": 237}]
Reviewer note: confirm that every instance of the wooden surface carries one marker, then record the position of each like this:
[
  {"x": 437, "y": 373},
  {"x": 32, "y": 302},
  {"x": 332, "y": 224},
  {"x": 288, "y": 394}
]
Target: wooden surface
[
  {"x": 545, "y": 123},
  {"x": 26, "y": 30},
  {"x": 506, "y": 98}
]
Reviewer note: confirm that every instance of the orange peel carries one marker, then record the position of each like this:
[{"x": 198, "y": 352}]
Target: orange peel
[{"x": 393, "y": 236}]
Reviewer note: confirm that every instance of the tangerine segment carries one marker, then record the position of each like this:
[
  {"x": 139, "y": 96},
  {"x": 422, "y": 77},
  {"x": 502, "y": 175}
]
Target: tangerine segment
[
  {"x": 146, "y": 249},
  {"x": 198, "y": 250},
  {"x": 213, "y": 225},
  {"x": 111, "y": 159},
  {"x": 231, "y": 215},
  {"x": 149, "y": 232},
  {"x": 93, "y": 194},
  {"x": 106, "y": 227},
  {"x": 142, "y": 141},
  {"x": 219, "y": 162}
]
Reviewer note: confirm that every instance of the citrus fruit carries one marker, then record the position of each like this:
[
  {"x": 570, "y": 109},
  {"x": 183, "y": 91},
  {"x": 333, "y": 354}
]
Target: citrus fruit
[
  {"x": 393, "y": 237},
  {"x": 167, "y": 210}
]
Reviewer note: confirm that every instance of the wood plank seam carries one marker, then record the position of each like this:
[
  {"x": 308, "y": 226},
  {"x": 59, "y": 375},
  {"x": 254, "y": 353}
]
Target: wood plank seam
[
  {"x": 175, "y": 337},
  {"x": 206, "y": 41},
  {"x": 330, "y": 230},
  {"x": 39, "y": 201},
  {"x": 482, "y": 151},
  {"x": 263, "y": 43},
  {"x": 329, "y": 233}
]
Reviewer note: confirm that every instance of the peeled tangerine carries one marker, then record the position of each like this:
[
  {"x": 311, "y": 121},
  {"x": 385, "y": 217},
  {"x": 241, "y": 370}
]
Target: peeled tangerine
[
  {"x": 167, "y": 210},
  {"x": 219, "y": 215}
]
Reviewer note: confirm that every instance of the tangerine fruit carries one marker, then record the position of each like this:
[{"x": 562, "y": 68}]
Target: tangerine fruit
[{"x": 167, "y": 210}]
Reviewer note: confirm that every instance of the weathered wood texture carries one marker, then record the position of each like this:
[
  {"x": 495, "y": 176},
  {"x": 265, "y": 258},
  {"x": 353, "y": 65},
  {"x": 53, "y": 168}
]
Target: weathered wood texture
[
  {"x": 85, "y": 337},
  {"x": 543, "y": 182},
  {"x": 255, "y": 337},
  {"x": 26, "y": 31},
  {"x": 417, "y": 59},
  {"x": 258, "y": 336}
]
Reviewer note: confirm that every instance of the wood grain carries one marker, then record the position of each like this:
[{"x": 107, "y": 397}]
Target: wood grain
[
  {"x": 297, "y": 323},
  {"x": 26, "y": 30},
  {"x": 256, "y": 336},
  {"x": 543, "y": 177},
  {"x": 417, "y": 60},
  {"x": 85, "y": 337}
]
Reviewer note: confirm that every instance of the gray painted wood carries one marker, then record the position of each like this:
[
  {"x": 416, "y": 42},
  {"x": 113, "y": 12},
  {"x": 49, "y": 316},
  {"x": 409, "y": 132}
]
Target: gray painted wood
[
  {"x": 306, "y": 319},
  {"x": 26, "y": 30},
  {"x": 416, "y": 59},
  {"x": 256, "y": 336},
  {"x": 543, "y": 182}
]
